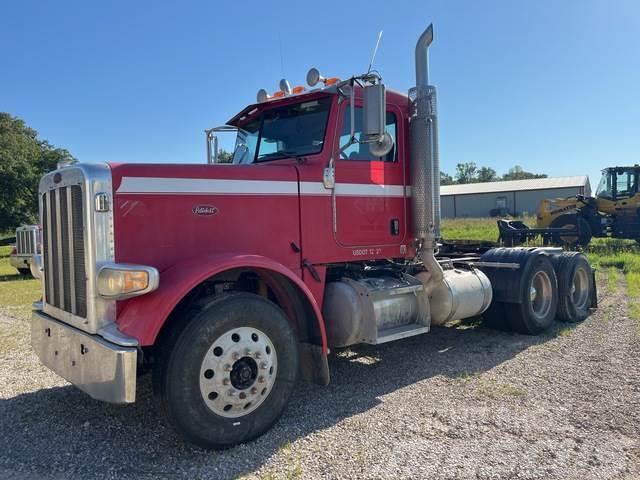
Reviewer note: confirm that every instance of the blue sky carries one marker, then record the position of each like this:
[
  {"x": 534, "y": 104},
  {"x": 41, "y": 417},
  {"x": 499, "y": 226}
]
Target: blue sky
[{"x": 550, "y": 85}]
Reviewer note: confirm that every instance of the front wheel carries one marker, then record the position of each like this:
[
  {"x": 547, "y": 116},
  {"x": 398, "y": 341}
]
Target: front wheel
[
  {"x": 230, "y": 372},
  {"x": 572, "y": 221}
]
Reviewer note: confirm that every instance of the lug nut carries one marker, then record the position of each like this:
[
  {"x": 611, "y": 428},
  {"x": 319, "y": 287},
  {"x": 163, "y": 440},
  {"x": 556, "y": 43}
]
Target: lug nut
[
  {"x": 235, "y": 356},
  {"x": 260, "y": 379},
  {"x": 226, "y": 381},
  {"x": 263, "y": 365},
  {"x": 242, "y": 395},
  {"x": 254, "y": 390},
  {"x": 247, "y": 351},
  {"x": 227, "y": 368},
  {"x": 258, "y": 355},
  {"x": 231, "y": 393}
]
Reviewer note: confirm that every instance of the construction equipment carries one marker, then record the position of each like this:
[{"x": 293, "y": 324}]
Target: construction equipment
[
  {"x": 572, "y": 222},
  {"x": 229, "y": 281}
]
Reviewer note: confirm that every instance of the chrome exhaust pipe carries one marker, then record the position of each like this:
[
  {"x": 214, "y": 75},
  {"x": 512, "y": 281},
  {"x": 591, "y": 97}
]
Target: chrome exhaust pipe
[
  {"x": 422, "y": 57},
  {"x": 425, "y": 163}
]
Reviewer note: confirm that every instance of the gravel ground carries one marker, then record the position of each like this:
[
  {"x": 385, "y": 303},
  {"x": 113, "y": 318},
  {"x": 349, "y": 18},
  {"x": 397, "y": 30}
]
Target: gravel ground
[{"x": 464, "y": 402}]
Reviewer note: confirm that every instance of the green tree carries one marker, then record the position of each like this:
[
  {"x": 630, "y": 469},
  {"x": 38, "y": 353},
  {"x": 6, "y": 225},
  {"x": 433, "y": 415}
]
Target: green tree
[
  {"x": 24, "y": 158},
  {"x": 487, "y": 174},
  {"x": 466, "y": 173},
  {"x": 518, "y": 173},
  {"x": 224, "y": 156},
  {"x": 446, "y": 179}
]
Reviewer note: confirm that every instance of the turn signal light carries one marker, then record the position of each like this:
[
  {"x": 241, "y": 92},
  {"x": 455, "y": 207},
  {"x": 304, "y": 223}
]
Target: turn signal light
[{"x": 123, "y": 281}]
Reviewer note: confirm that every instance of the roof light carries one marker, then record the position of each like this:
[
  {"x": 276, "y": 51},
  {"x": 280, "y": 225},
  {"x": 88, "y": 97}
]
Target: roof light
[
  {"x": 262, "y": 96},
  {"x": 298, "y": 89},
  {"x": 278, "y": 94},
  {"x": 313, "y": 77},
  {"x": 285, "y": 87}
]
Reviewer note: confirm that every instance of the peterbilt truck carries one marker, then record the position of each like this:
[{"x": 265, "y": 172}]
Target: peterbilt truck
[
  {"x": 228, "y": 282},
  {"x": 27, "y": 245}
]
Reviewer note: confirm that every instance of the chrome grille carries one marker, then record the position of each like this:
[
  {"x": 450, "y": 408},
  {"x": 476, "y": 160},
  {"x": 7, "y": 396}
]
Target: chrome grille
[
  {"x": 63, "y": 250},
  {"x": 26, "y": 241}
]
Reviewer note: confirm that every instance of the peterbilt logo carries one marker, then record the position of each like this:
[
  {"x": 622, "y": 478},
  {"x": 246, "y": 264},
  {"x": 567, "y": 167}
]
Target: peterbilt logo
[{"x": 204, "y": 210}]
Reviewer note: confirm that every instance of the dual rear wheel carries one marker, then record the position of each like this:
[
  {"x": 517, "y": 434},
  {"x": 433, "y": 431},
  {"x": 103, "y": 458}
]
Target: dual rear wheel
[{"x": 549, "y": 287}]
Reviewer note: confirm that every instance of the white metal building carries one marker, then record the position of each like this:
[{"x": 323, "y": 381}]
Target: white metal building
[{"x": 513, "y": 197}]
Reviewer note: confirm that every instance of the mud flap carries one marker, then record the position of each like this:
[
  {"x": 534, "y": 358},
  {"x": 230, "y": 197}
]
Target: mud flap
[
  {"x": 314, "y": 366},
  {"x": 594, "y": 295}
]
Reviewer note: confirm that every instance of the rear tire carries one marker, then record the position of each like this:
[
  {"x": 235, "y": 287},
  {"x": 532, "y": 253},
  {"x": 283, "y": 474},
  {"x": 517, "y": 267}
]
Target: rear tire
[
  {"x": 571, "y": 221},
  {"x": 575, "y": 287},
  {"x": 230, "y": 372},
  {"x": 538, "y": 298}
]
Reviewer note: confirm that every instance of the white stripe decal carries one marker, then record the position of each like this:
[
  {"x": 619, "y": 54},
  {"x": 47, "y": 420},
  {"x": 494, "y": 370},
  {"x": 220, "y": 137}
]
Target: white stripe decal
[{"x": 205, "y": 186}]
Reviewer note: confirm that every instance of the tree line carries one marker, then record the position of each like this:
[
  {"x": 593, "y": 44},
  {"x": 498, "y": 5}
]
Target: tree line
[
  {"x": 24, "y": 159},
  {"x": 470, "y": 173}
]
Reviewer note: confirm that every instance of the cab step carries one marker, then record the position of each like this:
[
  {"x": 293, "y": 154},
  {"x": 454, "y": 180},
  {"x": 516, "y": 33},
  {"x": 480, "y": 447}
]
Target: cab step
[{"x": 396, "y": 333}]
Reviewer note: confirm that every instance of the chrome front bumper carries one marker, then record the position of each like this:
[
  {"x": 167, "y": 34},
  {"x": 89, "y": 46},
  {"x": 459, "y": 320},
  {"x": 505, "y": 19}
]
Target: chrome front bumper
[
  {"x": 20, "y": 261},
  {"x": 102, "y": 369}
]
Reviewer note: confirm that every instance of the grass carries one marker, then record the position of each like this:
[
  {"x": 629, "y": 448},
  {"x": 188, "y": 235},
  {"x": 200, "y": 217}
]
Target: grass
[
  {"x": 493, "y": 389},
  {"x": 17, "y": 293},
  {"x": 612, "y": 280}
]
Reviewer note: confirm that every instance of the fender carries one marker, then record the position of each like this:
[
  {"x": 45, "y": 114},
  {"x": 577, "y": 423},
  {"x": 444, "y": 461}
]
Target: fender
[{"x": 143, "y": 317}]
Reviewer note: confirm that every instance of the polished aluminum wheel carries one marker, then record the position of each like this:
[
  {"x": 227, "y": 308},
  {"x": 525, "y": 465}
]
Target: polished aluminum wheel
[
  {"x": 541, "y": 294},
  {"x": 238, "y": 372},
  {"x": 580, "y": 288}
]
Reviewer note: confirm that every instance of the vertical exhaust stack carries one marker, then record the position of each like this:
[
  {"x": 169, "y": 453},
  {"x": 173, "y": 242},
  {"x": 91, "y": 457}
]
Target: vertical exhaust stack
[{"x": 425, "y": 164}]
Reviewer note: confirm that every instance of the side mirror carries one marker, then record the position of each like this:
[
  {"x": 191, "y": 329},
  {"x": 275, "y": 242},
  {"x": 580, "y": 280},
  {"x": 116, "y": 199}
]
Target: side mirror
[{"x": 375, "y": 119}]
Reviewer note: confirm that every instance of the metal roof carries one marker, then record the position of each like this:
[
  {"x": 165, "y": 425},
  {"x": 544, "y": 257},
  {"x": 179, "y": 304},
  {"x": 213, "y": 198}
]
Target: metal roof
[{"x": 515, "y": 185}]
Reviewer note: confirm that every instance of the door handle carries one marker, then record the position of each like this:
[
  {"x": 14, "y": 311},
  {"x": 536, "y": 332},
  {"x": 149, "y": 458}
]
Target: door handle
[{"x": 395, "y": 226}]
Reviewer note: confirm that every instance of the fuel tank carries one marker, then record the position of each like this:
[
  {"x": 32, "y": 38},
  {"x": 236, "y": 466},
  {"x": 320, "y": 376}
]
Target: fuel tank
[
  {"x": 460, "y": 294},
  {"x": 374, "y": 309}
]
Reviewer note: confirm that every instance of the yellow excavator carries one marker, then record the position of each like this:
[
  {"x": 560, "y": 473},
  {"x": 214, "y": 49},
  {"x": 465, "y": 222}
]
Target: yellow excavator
[{"x": 614, "y": 212}]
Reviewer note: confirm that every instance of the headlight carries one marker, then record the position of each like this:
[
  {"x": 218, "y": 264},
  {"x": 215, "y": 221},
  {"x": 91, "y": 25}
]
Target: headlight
[{"x": 119, "y": 281}]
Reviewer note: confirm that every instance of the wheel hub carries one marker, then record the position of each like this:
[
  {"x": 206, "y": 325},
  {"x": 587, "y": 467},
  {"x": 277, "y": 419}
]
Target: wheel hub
[
  {"x": 238, "y": 372},
  {"x": 540, "y": 294},
  {"x": 580, "y": 288},
  {"x": 243, "y": 373}
]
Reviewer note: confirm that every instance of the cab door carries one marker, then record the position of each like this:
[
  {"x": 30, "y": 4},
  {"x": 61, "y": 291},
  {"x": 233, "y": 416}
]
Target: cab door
[
  {"x": 626, "y": 191},
  {"x": 370, "y": 205}
]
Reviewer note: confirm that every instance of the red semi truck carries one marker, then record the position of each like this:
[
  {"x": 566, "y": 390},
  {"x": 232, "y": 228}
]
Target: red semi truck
[{"x": 230, "y": 281}]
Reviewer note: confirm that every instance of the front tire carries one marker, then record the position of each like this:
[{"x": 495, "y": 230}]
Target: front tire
[
  {"x": 230, "y": 372},
  {"x": 572, "y": 221}
]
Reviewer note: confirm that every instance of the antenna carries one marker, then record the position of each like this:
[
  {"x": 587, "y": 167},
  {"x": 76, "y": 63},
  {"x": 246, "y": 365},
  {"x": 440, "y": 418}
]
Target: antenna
[
  {"x": 375, "y": 50},
  {"x": 281, "y": 56}
]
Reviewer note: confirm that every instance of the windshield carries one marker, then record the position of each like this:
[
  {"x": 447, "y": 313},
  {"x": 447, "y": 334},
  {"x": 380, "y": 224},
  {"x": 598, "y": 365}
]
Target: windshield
[
  {"x": 290, "y": 131},
  {"x": 605, "y": 187}
]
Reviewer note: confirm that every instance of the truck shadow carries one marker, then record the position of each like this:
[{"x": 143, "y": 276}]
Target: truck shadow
[{"x": 62, "y": 430}]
